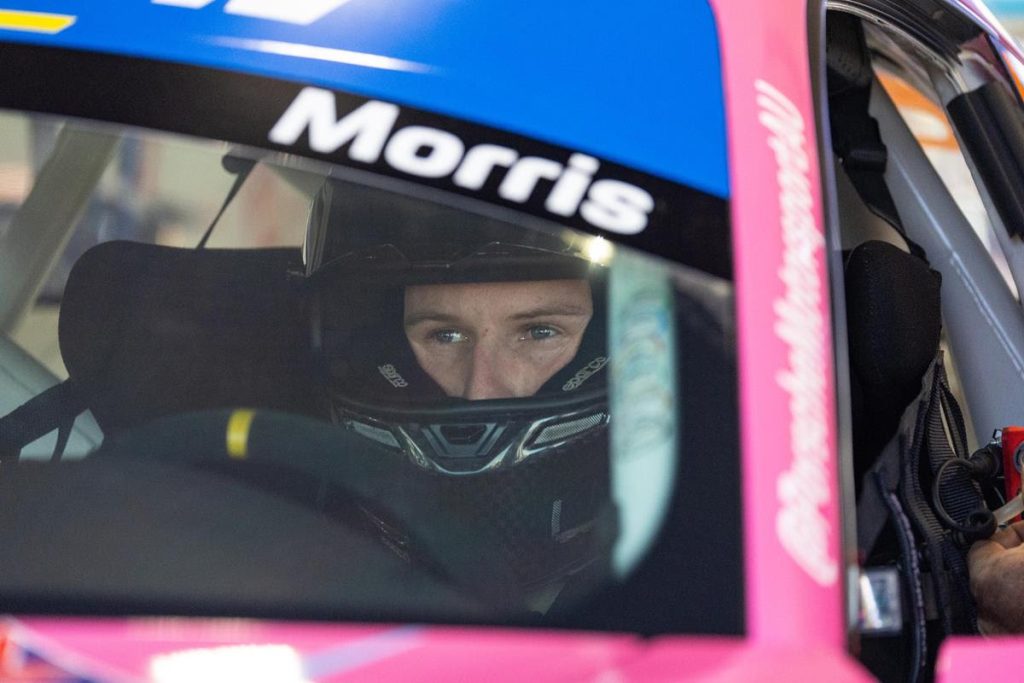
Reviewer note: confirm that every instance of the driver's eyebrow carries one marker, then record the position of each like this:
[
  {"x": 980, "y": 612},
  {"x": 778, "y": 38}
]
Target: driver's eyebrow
[
  {"x": 566, "y": 310},
  {"x": 429, "y": 316}
]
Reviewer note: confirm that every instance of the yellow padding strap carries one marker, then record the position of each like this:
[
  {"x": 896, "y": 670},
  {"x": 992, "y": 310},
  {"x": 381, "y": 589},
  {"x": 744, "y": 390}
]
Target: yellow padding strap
[
  {"x": 35, "y": 22},
  {"x": 238, "y": 433}
]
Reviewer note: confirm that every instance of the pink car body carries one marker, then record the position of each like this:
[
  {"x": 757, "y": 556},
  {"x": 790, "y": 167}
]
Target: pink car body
[{"x": 798, "y": 568}]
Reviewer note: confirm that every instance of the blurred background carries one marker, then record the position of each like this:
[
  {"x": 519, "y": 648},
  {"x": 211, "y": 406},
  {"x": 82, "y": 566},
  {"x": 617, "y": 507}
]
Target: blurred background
[{"x": 1011, "y": 14}]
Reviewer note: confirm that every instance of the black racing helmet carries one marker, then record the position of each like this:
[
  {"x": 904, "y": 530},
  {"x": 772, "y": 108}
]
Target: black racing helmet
[{"x": 531, "y": 473}]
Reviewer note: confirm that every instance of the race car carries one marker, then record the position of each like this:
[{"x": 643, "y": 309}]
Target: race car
[{"x": 690, "y": 331}]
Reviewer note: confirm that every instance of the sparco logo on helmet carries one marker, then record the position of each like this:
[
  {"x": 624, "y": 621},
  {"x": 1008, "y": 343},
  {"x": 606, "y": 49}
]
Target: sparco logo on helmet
[{"x": 428, "y": 152}]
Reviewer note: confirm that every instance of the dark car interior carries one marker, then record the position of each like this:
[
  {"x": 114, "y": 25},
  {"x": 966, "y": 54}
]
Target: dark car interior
[{"x": 164, "y": 344}]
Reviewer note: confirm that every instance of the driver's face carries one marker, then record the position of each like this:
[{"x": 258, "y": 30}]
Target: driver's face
[{"x": 496, "y": 339}]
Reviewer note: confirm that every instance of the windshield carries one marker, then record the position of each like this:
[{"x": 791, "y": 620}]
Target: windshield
[{"x": 245, "y": 382}]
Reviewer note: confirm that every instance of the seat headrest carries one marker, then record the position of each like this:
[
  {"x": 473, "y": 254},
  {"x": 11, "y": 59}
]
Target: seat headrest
[
  {"x": 894, "y": 321},
  {"x": 147, "y": 331}
]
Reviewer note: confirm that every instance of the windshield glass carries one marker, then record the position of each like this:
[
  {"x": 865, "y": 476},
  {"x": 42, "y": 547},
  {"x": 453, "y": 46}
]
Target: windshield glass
[{"x": 242, "y": 382}]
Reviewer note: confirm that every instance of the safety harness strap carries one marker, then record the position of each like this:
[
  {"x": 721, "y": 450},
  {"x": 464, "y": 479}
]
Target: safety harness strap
[
  {"x": 873, "y": 511},
  {"x": 856, "y": 139},
  {"x": 897, "y": 497},
  {"x": 54, "y": 408},
  {"x": 858, "y": 144}
]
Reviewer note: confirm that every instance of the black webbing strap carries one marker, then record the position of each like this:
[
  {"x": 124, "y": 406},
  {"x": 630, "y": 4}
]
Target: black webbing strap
[
  {"x": 960, "y": 495},
  {"x": 873, "y": 511},
  {"x": 933, "y": 444},
  {"x": 896, "y": 496},
  {"x": 856, "y": 140},
  {"x": 858, "y": 144},
  {"x": 887, "y": 474},
  {"x": 863, "y": 155},
  {"x": 55, "y": 408}
]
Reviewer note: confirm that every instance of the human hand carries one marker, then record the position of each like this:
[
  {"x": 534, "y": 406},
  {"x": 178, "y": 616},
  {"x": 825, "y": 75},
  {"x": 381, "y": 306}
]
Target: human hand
[{"x": 996, "y": 568}]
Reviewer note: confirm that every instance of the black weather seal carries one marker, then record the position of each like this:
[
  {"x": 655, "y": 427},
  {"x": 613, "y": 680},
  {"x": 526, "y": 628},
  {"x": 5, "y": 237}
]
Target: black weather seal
[{"x": 991, "y": 128}]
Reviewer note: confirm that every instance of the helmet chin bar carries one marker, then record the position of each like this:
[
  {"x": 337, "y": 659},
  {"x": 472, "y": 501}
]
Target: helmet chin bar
[{"x": 488, "y": 439}]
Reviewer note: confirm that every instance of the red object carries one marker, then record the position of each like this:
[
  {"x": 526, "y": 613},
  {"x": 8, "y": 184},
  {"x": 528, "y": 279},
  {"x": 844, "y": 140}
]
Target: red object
[{"x": 1012, "y": 440}]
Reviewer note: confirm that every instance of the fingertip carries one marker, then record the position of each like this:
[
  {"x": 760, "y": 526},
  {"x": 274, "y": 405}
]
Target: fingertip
[{"x": 1007, "y": 538}]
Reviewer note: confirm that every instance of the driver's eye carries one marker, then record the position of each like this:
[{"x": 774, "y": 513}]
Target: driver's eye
[
  {"x": 449, "y": 336},
  {"x": 539, "y": 332}
]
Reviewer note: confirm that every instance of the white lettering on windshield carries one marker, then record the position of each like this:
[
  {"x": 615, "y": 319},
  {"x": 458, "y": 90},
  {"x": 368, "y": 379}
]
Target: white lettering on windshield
[{"x": 368, "y": 132}]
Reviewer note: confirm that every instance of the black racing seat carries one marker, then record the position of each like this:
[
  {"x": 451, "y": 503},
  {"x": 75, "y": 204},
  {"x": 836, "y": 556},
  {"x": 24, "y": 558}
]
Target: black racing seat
[{"x": 147, "y": 331}]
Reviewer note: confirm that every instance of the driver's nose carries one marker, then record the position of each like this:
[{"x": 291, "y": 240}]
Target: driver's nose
[{"x": 490, "y": 374}]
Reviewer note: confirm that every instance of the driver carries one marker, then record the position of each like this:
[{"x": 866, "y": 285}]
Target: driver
[{"x": 474, "y": 350}]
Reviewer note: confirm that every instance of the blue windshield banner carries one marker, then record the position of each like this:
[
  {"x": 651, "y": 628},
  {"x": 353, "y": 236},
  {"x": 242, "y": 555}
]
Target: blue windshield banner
[
  {"x": 637, "y": 83},
  {"x": 568, "y": 187}
]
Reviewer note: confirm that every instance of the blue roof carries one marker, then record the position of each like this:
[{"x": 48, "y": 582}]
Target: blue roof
[{"x": 638, "y": 83}]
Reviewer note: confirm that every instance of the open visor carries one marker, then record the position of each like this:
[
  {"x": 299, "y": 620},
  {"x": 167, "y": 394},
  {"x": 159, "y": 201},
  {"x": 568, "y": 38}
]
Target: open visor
[
  {"x": 378, "y": 245},
  {"x": 367, "y": 233}
]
